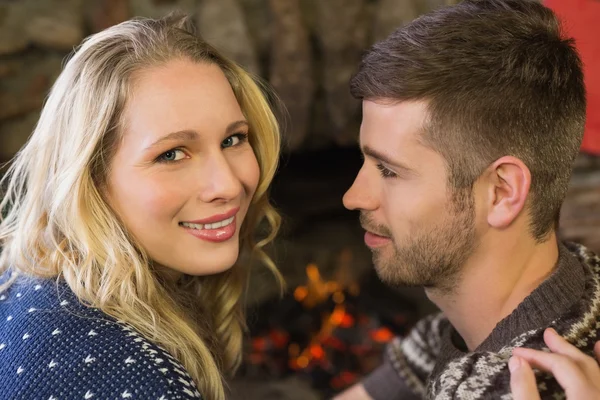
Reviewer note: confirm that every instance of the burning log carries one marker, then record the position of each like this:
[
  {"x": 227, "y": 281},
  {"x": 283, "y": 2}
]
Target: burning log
[{"x": 331, "y": 332}]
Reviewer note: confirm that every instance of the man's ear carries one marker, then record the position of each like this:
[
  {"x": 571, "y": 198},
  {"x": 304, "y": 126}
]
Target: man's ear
[{"x": 508, "y": 182}]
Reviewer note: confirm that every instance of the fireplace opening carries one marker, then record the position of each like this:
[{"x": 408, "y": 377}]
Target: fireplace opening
[{"x": 331, "y": 326}]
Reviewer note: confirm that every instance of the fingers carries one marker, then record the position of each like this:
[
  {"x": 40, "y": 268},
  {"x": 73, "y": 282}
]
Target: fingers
[
  {"x": 568, "y": 373},
  {"x": 522, "y": 380},
  {"x": 559, "y": 345},
  {"x": 597, "y": 351},
  {"x": 577, "y": 373}
]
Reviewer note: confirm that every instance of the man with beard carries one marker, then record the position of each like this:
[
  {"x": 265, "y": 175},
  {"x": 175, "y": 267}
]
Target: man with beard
[{"x": 472, "y": 118}]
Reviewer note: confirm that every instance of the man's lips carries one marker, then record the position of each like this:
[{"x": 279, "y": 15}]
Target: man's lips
[
  {"x": 372, "y": 231},
  {"x": 374, "y": 240}
]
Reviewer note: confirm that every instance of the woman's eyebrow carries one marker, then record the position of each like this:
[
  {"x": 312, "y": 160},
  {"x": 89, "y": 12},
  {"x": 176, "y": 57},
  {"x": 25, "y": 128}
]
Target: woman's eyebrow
[{"x": 190, "y": 134}]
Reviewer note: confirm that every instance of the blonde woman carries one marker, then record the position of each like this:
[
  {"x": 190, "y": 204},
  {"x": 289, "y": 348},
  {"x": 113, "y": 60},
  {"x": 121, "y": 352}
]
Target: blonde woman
[{"x": 124, "y": 218}]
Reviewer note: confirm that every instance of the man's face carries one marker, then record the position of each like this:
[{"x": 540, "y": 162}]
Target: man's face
[{"x": 419, "y": 234}]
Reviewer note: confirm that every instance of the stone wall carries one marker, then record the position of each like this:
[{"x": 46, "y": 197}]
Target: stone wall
[
  {"x": 580, "y": 214},
  {"x": 306, "y": 49}
]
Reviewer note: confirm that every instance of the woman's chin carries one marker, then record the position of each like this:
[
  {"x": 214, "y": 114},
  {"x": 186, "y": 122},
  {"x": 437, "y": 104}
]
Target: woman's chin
[
  {"x": 211, "y": 265},
  {"x": 213, "y": 269},
  {"x": 200, "y": 262}
]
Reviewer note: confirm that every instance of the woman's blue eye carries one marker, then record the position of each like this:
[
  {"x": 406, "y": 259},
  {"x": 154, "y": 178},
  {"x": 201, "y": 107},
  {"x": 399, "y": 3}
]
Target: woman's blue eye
[
  {"x": 234, "y": 140},
  {"x": 171, "y": 156}
]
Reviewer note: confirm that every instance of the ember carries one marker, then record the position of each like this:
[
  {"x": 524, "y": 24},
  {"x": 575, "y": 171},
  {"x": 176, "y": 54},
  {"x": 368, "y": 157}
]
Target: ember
[{"x": 330, "y": 331}]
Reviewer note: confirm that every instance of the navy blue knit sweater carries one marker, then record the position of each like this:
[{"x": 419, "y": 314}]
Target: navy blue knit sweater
[{"x": 53, "y": 347}]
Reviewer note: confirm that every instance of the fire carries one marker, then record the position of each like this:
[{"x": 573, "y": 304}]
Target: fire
[
  {"x": 317, "y": 291},
  {"x": 382, "y": 335},
  {"x": 330, "y": 331}
]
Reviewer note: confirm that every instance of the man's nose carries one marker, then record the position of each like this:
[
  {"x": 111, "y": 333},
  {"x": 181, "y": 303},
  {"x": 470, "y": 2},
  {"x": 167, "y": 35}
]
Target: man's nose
[{"x": 360, "y": 196}]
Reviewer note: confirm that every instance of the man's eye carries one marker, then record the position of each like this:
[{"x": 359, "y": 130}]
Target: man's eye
[
  {"x": 386, "y": 173},
  {"x": 171, "y": 156},
  {"x": 234, "y": 140}
]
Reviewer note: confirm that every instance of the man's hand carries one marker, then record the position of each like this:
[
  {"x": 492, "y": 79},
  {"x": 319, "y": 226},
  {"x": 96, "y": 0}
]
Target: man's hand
[
  {"x": 356, "y": 392},
  {"x": 577, "y": 373}
]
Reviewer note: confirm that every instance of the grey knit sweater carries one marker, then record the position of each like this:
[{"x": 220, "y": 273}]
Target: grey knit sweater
[{"x": 432, "y": 361}]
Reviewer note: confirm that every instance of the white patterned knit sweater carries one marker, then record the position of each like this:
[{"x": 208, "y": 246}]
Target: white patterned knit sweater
[
  {"x": 54, "y": 348},
  {"x": 432, "y": 361}
]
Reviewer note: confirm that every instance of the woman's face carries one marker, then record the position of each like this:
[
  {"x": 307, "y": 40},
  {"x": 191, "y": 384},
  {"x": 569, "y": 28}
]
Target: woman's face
[{"x": 184, "y": 173}]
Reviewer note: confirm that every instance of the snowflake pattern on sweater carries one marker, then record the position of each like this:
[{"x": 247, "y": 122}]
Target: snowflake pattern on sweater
[{"x": 52, "y": 347}]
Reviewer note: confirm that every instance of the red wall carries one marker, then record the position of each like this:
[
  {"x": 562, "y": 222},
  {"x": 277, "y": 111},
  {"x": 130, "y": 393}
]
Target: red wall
[{"x": 581, "y": 19}]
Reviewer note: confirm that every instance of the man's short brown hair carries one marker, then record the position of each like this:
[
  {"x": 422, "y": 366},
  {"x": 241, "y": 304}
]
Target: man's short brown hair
[{"x": 500, "y": 79}]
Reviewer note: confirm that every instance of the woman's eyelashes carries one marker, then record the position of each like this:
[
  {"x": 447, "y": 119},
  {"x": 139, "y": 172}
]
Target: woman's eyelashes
[
  {"x": 171, "y": 156},
  {"x": 176, "y": 154},
  {"x": 235, "y": 140}
]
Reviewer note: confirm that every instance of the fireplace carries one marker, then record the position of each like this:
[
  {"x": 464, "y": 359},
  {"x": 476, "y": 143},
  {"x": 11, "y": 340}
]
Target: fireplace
[{"x": 330, "y": 327}]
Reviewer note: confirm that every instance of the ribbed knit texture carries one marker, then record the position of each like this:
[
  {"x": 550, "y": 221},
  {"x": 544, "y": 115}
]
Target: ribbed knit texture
[
  {"x": 432, "y": 361},
  {"x": 54, "y": 347}
]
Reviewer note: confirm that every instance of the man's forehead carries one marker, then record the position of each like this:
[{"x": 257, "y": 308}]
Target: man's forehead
[
  {"x": 395, "y": 124},
  {"x": 412, "y": 112}
]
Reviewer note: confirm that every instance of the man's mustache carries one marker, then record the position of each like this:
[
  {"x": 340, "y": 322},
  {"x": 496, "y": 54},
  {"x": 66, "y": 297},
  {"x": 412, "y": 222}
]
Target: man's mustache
[{"x": 368, "y": 224}]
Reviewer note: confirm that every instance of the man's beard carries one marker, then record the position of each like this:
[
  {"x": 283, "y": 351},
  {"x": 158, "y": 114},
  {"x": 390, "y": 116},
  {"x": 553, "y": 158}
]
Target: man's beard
[{"x": 430, "y": 256}]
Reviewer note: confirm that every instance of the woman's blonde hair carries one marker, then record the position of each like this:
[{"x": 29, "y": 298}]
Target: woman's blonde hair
[{"x": 57, "y": 222}]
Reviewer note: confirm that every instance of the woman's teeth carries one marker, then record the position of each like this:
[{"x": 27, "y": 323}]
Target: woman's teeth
[{"x": 214, "y": 225}]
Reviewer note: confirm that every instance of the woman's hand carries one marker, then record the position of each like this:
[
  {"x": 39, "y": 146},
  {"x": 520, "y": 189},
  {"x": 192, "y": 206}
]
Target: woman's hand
[{"x": 577, "y": 373}]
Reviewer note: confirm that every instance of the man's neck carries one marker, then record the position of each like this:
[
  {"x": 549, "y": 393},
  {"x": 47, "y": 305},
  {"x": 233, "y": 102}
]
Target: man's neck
[{"x": 496, "y": 279}]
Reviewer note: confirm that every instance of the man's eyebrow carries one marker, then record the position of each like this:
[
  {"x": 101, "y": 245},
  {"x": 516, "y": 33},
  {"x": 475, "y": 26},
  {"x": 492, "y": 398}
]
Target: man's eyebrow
[
  {"x": 191, "y": 135},
  {"x": 370, "y": 152}
]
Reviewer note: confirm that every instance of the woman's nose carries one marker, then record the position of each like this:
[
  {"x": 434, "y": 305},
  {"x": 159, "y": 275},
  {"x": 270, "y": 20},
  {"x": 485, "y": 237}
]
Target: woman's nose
[{"x": 220, "y": 182}]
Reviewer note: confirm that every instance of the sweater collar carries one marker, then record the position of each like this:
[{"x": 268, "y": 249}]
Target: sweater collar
[{"x": 560, "y": 291}]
